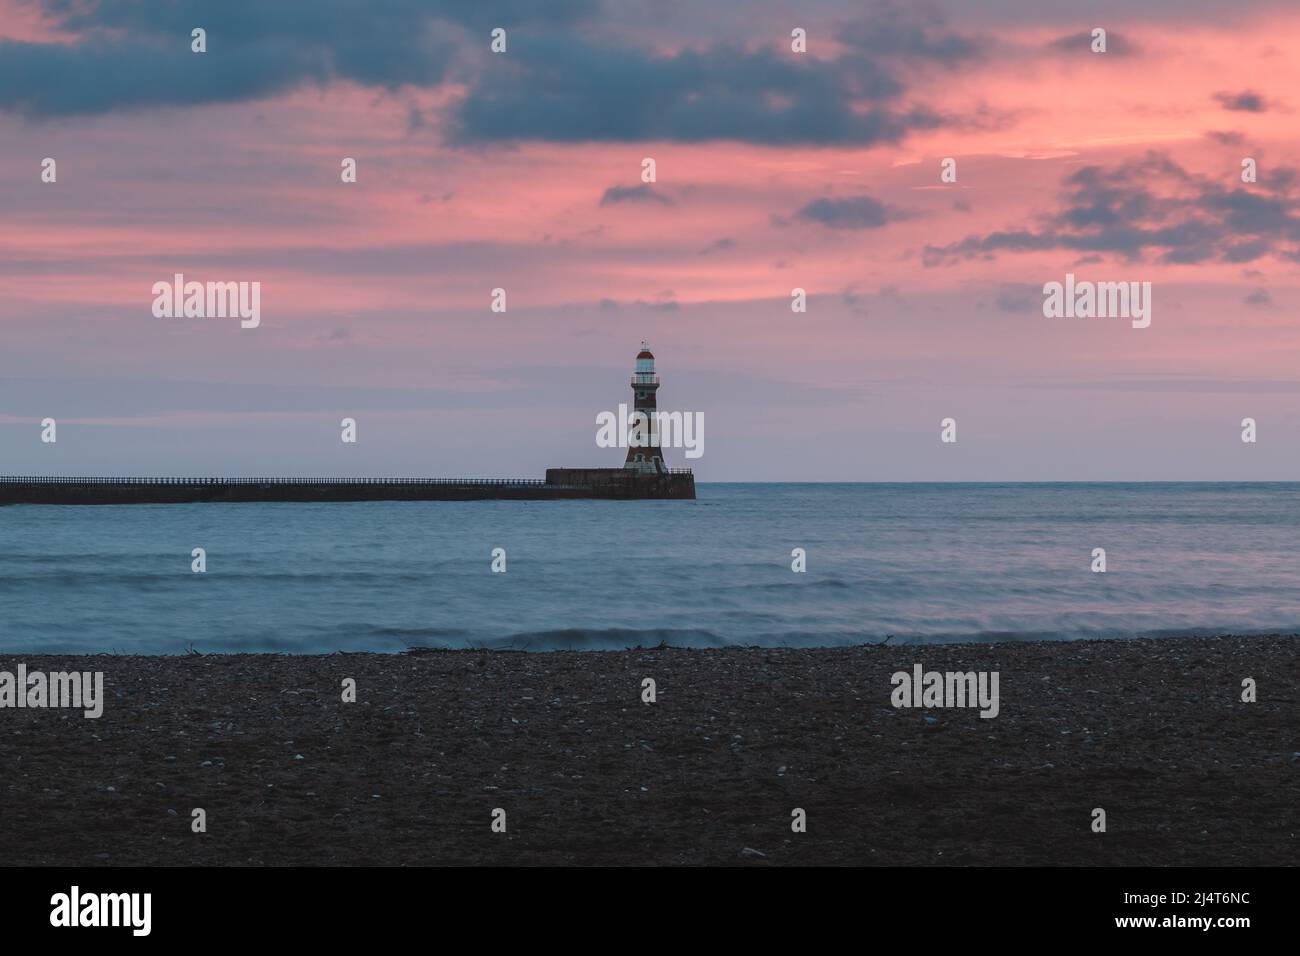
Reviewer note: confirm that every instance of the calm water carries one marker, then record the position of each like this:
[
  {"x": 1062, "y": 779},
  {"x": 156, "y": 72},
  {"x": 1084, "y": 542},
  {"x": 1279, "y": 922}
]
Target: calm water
[{"x": 921, "y": 562}]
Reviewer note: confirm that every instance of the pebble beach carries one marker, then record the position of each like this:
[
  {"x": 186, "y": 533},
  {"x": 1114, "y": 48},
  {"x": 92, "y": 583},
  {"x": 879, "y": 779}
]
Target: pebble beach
[{"x": 287, "y": 772}]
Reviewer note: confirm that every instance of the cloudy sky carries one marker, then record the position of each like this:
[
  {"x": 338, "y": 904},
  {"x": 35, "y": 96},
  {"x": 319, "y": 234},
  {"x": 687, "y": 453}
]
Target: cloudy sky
[{"x": 775, "y": 170}]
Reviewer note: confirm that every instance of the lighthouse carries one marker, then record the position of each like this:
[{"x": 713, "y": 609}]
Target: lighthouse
[{"x": 648, "y": 458}]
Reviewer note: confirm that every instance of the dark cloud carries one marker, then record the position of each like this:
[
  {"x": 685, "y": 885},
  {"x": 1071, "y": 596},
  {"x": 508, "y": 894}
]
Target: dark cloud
[
  {"x": 559, "y": 82},
  {"x": 1226, "y": 137},
  {"x": 1151, "y": 208},
  {"x": 563, "y": 88},
  {"x": 1244, "y": 102},
  {"x": 1259, "y": 298},
  {"x": 132, "y": 54},
  {"x": 855, "y": 301},
  {"x": 664, "y": 302},
  {"x": 918, "y": 31},
  {"x": 1081, "y": 42},
  {"x": 858, "y": 212},
  {"x": 100, "y": 74},
  {"x": 1013, "y": 297},
  {"x": 724, "y": 244},
  {"x": 635, "y": 194},
  {"x": 321, "y": 20}
]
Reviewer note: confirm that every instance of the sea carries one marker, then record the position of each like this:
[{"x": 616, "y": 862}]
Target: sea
[{"x": 907, "y": 563}]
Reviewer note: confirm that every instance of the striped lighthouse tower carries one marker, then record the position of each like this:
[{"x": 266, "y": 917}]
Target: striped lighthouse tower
[{"x": 649, "y": 458}]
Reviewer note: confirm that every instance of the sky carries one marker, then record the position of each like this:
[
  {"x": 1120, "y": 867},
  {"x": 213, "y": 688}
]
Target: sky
[{"x": 775, "y": 170}]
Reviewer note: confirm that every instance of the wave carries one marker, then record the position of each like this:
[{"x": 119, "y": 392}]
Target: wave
[
  {"x": 618, "y": 639},
  {"x": 609, "y": 639}
]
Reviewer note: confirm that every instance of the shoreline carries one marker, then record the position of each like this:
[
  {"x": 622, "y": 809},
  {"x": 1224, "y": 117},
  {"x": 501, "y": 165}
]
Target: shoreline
[
  {"x": 920, "y": 642},
  {"x": 1153, "y": 730}
]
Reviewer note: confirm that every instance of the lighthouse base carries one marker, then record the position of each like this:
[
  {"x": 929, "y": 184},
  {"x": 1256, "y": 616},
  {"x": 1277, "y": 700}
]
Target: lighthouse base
[{"x": 623, "y": 483}]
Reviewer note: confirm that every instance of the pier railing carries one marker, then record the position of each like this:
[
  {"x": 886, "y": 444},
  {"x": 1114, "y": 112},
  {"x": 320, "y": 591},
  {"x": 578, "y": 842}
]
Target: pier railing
[
  {"x": 42, "y": 480},
  {"x": 38, "y": 480}
]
